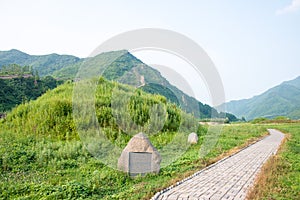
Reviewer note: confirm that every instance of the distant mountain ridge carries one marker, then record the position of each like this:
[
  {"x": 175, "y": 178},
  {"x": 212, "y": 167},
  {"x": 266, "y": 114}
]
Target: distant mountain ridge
[
  {"x": 44, "y": 64},
  {"x": 281, "y": 100},
  {"x": 126, "y": 69}
]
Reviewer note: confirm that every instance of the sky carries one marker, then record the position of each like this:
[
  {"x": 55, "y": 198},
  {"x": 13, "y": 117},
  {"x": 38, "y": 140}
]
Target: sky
[{"x": 254, "y": 45}]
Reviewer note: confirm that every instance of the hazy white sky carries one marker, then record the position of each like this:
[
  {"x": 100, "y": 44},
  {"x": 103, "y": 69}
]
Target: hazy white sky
[{"x": 254, "y": 44}]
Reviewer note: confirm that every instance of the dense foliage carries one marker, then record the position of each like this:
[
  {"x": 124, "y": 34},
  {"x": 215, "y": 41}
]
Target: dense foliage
[
  {"x": 15, "y": 70},
  {"x": 15, "y": 88},
  {"x": 52, "y": 113},
  {"x": 159, "y": 89}
]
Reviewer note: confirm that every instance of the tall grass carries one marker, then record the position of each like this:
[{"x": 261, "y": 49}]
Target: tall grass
[{"x": 41, "y": 167}]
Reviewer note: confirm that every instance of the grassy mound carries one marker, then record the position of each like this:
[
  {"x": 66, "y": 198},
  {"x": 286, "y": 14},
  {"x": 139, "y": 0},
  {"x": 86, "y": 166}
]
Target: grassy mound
[{"x": 41, "y": 155}]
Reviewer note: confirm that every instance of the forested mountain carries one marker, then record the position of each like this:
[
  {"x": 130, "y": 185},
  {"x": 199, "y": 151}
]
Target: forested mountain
[
  {"x": 282, "y": 100},
  {"x": 125, "y": 68},
  {"x": 44, "y": 64},
  {"x": 128, "y": 69}
]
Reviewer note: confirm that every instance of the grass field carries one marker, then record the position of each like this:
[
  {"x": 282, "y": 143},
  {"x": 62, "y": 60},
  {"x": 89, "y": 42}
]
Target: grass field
[
  {"x": 43, "y": 168},
  {"x": 280, "y": 177}
]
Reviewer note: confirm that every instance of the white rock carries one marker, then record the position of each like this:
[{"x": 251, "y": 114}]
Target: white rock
[{"x": 193, "y": 138}]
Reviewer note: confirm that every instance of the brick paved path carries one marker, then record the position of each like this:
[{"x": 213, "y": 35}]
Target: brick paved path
[{"x": 229, "y": 178}]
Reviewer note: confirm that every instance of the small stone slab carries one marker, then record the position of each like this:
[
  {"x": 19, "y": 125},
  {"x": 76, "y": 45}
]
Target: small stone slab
[{"x": 193, "y": 138}]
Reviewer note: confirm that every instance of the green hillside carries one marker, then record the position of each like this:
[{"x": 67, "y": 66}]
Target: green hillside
[
  {"x": 129, "y": 70},
  {"x": 125, "y": 69},
  {"x": 282, "y": 100},
  {"x": 44, "y": 64},
  {"x": 19, "y": 84},
  {"x": 51, "y": 114}
]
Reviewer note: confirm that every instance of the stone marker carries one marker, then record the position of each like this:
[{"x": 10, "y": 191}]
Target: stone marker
[
  {"x": 139, "y": 157},
  {"x": 193, "y": 138}
]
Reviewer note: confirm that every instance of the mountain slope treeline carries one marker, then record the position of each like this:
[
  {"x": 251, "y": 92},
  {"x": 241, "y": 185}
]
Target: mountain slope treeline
[
  {"x": 281, "y": 100},
  {"x": 44, "y": 64},
  {"x": 18, "y": 85},
  {"x": 126, "y": 69}
]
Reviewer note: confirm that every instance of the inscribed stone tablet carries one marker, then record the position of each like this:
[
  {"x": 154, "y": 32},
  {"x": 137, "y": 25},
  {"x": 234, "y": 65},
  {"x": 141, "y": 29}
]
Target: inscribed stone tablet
[{"x": 139, "y": 163}]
